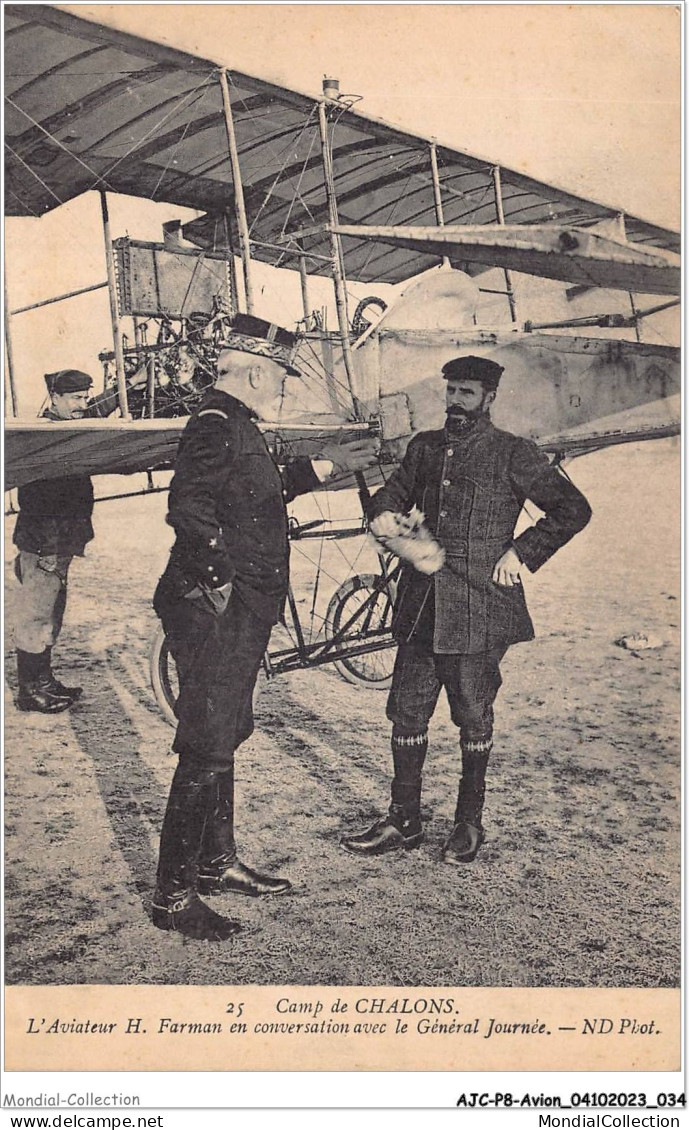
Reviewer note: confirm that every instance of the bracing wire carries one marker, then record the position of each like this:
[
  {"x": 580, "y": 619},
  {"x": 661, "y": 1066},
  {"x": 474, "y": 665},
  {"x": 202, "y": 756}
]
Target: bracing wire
[
  {"x": 288, "y": 149},
  {"x": 393, "y": 208},
  {"x": 213, "y": 162},
  {"x": 277, "y": 157},
  {"x": 101, "y": 179},
  {"x": 324, "y": 572},
  {"x": 154, "y": 129},
  {"x": 56, "y": 141},
  {"x": 23, "y": 203},
  {"x": 171, "y": 158},
  {"x": 336, "y": 382},
  {"x": 312, "y": 382},
  {"x": 297, "y": 190},
  {"x": 488, "y": 190},
  {"x": 33, "y": 172}
]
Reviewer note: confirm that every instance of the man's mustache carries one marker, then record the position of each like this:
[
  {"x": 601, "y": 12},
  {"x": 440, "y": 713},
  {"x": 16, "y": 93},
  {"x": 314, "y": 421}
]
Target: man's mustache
[{"x": 455, "y": 412}]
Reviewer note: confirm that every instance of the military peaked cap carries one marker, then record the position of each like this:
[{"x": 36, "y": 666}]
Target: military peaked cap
[
  {"x": 474, "y": 369},
  {"x": 254, "y": 335},
  {"x": 67, "y": 380}
]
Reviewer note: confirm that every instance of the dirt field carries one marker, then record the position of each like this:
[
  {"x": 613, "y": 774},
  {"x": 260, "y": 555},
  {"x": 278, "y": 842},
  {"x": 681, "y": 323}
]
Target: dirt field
[{"x": 578, "y": 882}]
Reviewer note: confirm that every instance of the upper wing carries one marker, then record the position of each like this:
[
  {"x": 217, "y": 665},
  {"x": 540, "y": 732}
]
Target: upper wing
[{"x": 88, "y": 107}]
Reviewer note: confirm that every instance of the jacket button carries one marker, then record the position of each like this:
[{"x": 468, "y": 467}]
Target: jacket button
[
  {"x": 450, "y": 451},
  {"x": 446, "y": 482},
  {"x": 443, "y": 513}
]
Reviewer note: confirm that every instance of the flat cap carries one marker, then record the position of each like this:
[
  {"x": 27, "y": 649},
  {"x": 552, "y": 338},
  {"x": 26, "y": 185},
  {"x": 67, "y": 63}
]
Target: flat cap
[
  {"x": 67, "y": 380},
  {"x": 474, "y": 369},
  {"x": 255, "y": 335}
]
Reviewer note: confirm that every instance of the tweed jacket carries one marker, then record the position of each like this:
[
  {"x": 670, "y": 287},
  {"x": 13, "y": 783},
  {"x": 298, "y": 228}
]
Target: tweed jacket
[
  {"x": 471, "y": 485},
  {"x": 227, "y": 506}
]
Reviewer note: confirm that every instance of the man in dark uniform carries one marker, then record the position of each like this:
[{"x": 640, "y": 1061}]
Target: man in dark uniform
[
  {"x": 471, "y": 480},
  {"x": 54, "y": 525},
  {"x": 218, "y": 599}
]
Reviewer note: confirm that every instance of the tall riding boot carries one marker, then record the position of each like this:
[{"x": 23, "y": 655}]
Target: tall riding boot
[
  {"x": 55, "y": 685},
  {"x": 467, "y": 835},
  {"x": 176, "y": 905},
  {"x": 401, "y": 828},
  {"x": 35, "y": 689},
  {"x": 220, "y": 871}
]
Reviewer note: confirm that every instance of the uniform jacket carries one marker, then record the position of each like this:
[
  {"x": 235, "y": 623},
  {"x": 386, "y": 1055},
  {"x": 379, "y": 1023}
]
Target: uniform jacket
[
  {"x": 227, "y": 506},
  {"x": 471, "y": 484},
  {"x": 55, "y": 514}
]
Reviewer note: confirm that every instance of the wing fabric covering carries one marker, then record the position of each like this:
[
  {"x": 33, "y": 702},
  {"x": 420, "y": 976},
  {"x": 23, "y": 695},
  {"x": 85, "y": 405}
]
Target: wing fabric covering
[
  {"x": 39, "y": 449},
  {"x": 46, "y": 450},
  {"x": 555, "y": 252},
  {"x": 88, "y": 107},
  {"x": 564, "y": 392}
]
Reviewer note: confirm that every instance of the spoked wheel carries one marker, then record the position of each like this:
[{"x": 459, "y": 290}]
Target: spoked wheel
[
  {"x": 163, "y": 676},
  {"x": 373, "y": 622}
]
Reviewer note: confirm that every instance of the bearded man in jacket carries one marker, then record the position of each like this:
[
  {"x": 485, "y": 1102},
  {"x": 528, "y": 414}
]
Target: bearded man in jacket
[{"x": 453, "y": 628}]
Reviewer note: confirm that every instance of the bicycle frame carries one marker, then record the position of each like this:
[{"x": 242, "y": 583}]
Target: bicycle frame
[
  {"x": 369, "y": 624},
  {"x": 306, "y": 655}
]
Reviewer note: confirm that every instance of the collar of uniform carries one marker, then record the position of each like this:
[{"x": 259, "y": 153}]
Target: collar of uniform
[
  {"x": 48, "y": 414},
  {"x": 214, "y": 398}
]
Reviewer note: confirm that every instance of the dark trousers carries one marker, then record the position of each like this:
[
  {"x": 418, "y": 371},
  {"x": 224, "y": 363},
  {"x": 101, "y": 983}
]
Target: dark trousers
[
  {"x": 471, "y": 683},
  {"x": 218, "y": 658}
]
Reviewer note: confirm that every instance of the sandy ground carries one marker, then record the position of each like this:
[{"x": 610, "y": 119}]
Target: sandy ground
[{"x": 577, "y": 884}]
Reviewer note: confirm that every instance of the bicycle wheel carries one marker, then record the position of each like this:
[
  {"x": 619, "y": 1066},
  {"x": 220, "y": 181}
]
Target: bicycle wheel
[
  {"x": 163, "y": 673},
  {"x": 163, "y": 676},
  {"x": 373, "y": 611}
]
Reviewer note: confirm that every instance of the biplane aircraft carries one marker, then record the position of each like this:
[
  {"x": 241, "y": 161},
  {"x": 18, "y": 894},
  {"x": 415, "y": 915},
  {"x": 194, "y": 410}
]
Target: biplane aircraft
[{"x": 314, "y": 187}]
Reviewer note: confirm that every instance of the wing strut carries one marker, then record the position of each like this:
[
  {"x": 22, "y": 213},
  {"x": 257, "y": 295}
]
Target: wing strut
[
  {"x": 9, "y": 362},
  {"x": 500, "y": 212},
  {"x": 304, "y": 280},
  {"x": 114, "y": 315},
  {"x": 437, "y": 198},
  {"x": 231, "y": 264},
  {"x": 240, "y": 209}
]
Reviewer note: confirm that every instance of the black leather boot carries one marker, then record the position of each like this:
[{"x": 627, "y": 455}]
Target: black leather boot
[
  {"x": 401, "y": 829},
  {"x": 467, "y": 835},
  {"x": 220, "y": 871},
  {"x": 397, "y": 831},
  {"x": 55, "y": 685},
  {"x": 36, "y": 690},
  {"x": 176, "y": 905}
]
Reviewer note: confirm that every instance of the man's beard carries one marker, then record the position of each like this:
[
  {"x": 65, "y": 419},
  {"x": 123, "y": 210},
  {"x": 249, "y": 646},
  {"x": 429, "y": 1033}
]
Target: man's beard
[{"x": 461, "y": 417}]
